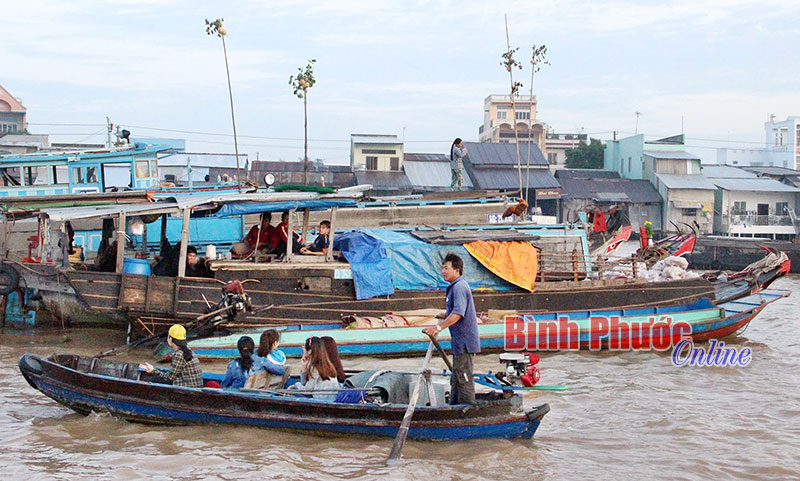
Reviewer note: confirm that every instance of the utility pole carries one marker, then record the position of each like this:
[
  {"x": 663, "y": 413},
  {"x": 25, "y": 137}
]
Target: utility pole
[{"x": 108, "y": 132}]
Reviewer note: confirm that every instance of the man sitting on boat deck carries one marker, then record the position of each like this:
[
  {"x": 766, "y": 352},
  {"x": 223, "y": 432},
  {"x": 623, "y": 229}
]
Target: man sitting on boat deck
[
  {"x": 280, "y": 237},
  {"x": 461, "y": 318},
  {"x": 320, "y": 245},
  {"x": 258, "y": 238},
  {"x": 196, "y": 266},
  {"x": 185, "y": 370}
]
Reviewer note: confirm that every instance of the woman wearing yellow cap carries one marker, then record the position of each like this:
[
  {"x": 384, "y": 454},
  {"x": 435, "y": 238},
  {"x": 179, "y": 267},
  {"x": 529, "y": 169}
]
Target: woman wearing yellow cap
[{"x": 185, "y": 370}]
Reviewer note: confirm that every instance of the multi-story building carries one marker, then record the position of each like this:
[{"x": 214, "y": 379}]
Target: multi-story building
[
  {"x": 376, "y": 152},
  {"x": 556, "y": 146},
  {"x": 781, "y": 149},
  {"x": 499, "y": 121},
  {"x": 12, "y": 113}
]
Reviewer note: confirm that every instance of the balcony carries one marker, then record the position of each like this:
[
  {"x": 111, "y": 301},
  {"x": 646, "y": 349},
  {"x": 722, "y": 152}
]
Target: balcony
[{"x": 748, "y": 219}]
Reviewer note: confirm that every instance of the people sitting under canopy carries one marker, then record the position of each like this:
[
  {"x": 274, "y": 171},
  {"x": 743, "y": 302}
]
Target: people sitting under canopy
[
  {"x": 280, "y": 237},
  {"x": 257, "y": 239},
  {"x": 320, "y": 245}
]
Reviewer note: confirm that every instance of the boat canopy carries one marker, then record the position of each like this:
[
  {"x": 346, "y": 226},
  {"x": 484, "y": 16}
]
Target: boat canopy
[{"x": 241, "y": 208}]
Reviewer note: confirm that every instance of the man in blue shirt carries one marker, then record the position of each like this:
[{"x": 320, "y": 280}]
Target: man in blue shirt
[
  {"x": 320, "y": 245},
  {"x": 462, "y": 320}
]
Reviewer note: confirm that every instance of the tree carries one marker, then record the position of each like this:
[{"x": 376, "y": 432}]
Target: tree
[
  {"x": 586, "y": 156},
  {"x": 300, "y": 83}
]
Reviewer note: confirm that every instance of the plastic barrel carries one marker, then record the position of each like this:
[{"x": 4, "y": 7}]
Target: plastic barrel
[{"x": 139, "y": 267}]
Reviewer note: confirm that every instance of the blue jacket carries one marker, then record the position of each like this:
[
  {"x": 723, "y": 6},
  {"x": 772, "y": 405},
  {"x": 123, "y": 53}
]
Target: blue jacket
[
  {"x": 273, "y": 363},
  {"x": 235, "y": 376}
]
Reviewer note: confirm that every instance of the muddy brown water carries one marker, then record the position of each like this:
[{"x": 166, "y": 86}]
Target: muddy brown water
[{"x": 625, "y": 415}]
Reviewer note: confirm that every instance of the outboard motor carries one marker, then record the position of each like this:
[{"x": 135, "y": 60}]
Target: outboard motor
[
  {"x": 235, "y": 299},
  {"x": 519, "y": 366}
]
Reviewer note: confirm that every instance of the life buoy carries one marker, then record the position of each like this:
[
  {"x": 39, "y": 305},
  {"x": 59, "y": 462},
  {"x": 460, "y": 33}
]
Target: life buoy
[{"x": 13, "y": 279}]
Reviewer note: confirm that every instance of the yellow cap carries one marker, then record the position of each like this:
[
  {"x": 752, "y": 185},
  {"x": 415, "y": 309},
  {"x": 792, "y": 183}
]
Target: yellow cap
[{"x": 177, "y": 332}]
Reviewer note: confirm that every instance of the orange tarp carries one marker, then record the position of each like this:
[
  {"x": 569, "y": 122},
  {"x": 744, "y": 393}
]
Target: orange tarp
[{"x": 515, "y": 262}]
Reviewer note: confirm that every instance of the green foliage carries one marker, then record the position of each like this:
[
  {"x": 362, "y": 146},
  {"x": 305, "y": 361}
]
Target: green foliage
[
  {"x": 509, "y": 62},
  {"x": 586, "y": 156},
  {"x": 215, "y": 27},
  {"x": 304, "y": 79},
  {"x": 539, "y": 57}
]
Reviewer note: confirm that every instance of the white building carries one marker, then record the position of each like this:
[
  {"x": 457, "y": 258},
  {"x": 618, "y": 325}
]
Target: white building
[
  {"x": 746, "y": 205},
  {"x": 499, "y": 121},
  {"x": 556, "y": 146},
  {"x": 781, "y": 147}
]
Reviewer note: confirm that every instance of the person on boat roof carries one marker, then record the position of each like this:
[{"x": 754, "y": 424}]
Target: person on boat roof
[
  {"x": 185, "y": 370},
  {"x": 319, "y": 373},
  {"x": 240, "y": 369},
  {"x": 196, "y": 266},
  {"x": 258, "y": 238},
  {"x": 461, "y": 318},
  {"x": 320, "y": 245}
]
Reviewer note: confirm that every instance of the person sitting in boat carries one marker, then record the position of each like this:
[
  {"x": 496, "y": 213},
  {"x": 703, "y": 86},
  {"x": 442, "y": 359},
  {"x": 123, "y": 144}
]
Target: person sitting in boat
[
  {"x": 320, "y": 245},
  {"x": 280, "y": 237},
  {"x": 319, "y": 373},
  {"x": 333, "y": 355},
  {"x": 185, "y": 370},
  {"x": 196, "y": 266},
  {"x": 269, "y": 362},
  {"x": 240, "y": 369},
  {"x": 257, "y": 238}
]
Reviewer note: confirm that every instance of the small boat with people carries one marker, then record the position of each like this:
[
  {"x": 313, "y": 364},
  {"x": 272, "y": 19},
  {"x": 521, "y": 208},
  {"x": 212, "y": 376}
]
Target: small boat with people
[{"x": 93, "y": 384}]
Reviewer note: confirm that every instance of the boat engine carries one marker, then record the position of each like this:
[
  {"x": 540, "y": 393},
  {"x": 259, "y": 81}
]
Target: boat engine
[
  {"x": 235, "y": 299},
  {"x": 520, "y": 367}
]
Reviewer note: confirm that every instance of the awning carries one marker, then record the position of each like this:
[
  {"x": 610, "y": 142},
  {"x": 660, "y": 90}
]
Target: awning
[
  {"x": 687, "y": 204},
  {"x": 241, "y": 208}
]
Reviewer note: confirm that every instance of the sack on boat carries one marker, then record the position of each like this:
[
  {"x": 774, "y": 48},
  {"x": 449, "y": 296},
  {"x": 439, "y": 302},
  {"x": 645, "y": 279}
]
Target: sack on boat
[{"x": 264, "y": 380}]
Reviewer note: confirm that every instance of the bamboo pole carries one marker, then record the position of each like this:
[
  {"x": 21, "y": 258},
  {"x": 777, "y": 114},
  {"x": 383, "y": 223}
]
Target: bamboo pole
[
  {"x": 120, "y": 242},
  {"x": 514, "y": 112},
  {"x": 184, "y": 243}
]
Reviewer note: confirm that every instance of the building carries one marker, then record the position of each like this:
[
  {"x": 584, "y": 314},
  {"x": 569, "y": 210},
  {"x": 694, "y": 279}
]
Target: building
[
  {"x": 627, "y": 156},
  {"x": 746, "y": 205},
  {"x": 499, "y": 121},
  {"x": 283, "y": 172},
  {"x": 556, "y": 145},
  {"x": 12, "y": 114},
  {"x": 781, "y": 174},
  {"x": 585, "y": 188},
  {"x": 431, "y": 173},
  {"x": 23, "y": 144},
  {"x": 781, "y": 147},
  {"x": 376, "y": 152},
  {"x": 494, "y": 166},
  {"x": 189, "y": 168}
]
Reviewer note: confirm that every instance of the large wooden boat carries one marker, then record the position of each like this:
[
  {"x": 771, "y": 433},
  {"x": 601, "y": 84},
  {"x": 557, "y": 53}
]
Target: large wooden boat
[
  {"x": 86, "y": 384},
  {"x": 733, "y": 253},
  {"x": 700, "y": 320}
]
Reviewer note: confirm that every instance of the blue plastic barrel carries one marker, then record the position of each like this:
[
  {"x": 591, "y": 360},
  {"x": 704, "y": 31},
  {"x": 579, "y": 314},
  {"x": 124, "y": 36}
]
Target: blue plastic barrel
[{"x": 139, "y": 267}]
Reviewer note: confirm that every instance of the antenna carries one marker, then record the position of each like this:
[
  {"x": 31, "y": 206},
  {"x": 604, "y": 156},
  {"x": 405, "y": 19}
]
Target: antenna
[{"x": 636, "y": 131}]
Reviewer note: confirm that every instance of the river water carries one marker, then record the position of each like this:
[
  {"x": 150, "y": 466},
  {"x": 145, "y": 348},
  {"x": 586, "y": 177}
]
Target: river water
[{"x": 625, "y": 415}]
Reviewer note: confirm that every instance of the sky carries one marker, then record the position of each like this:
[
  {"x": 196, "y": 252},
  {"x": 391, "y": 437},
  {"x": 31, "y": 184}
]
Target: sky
[{"x": 419, "y": 69}]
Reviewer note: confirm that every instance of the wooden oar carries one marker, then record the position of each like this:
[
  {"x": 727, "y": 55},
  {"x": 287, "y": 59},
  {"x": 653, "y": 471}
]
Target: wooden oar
[
  {"x": 446, "y": 359},
  {"x": 402, "y": 433}
]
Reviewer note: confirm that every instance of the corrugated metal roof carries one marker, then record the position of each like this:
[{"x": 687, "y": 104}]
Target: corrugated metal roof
[
  {"x": 757, "y": 184},
  {"x": 431, "y": 174},
  {"x": 636, "y": 190},
  {"x": 508, "y": 178},
  {"x": 678, "y": 154},
  {"x": 586, "y": 174},
  {"x": 770, "y": 170},
  {"x": 384, "y": 181},
  {"x": 426, "y": 157},
  {"x": 726, "y": 172},
  {"x": 680, "y": 181},
  {"x": 488, "y": 153},
  {"x": 375, "y": 139}
]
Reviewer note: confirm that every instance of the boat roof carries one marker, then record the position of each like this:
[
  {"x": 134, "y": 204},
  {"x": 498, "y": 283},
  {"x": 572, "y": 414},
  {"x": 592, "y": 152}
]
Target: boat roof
[
  {"x": 230, "y": 204},
  {"x": 136, "y": 149}
]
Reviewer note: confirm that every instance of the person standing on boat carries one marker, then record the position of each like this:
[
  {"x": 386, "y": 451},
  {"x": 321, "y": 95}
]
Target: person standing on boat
[
  {"x": 457, "y": 154},
  {"x": 185, "y": 370},
  {"x": 461, "y": 318}
]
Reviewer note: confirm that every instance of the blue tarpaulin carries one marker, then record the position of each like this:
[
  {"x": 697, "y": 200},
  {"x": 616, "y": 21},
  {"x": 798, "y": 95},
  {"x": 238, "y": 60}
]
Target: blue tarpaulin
[
  {"x": 241, "y": 208},
  {"x": 371, "y": 266},
  {"x": 417, "y": 265}
]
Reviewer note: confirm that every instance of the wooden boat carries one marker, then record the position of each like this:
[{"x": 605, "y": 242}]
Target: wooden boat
[
  {"x": 704, "y": 319},
  {"x": 733, "y": 253},
  {"x": 86, "y": 384}
]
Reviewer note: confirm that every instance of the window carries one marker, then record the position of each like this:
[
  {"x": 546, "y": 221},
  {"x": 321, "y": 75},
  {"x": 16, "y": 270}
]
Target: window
[
  {"x": 523, "y": 115},
  {"x": 142, "y": 170},
  {"x": 552, "y": 158},
  {"x": 372, "y": 162},
  {"x": 91, "y": 175},
  {"x": 689, "y": 212},
  {"x": 36, "y": 175},
  {"x": 629, "y": 164},
  {"x": 60, "y": 174},
  {"x": 781, "y": 208},
  {"x": 501, "y": 115},
  {"x": 379, "y": 151},
  {"x": 77, "y": 175},
  {"x": 395, "y": 163},
  {"x": 154, "y": 168},
  {"x": 739, "y": 207},
  {"x": 10, "y": 176}
]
